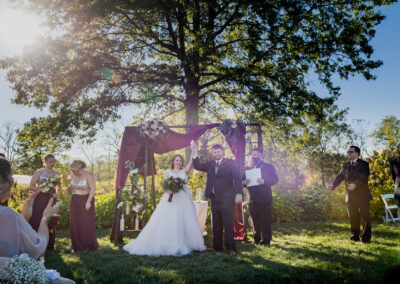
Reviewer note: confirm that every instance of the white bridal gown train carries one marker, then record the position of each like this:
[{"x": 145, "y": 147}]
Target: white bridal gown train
[{"x": 173, "y": 228}]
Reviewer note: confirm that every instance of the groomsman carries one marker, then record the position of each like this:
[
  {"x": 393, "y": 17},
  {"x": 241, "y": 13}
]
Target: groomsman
[
  {"x": 260, "y": 198},
  {"x": 395, "y": 173},
  {"x": 355, "y": 173}
]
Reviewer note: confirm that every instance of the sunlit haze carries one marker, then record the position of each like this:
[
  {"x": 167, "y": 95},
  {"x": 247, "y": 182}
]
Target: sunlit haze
[{"x": 17, "y": 28}]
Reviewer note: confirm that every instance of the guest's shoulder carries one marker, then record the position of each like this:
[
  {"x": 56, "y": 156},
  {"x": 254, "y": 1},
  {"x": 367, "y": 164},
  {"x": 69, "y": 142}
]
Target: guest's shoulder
[
  {"x": 266, "y": 165},
  {"x": 8, "y": 212},
  {"x": 230, "y": 161},
  {"x": 361, "y": 161}
]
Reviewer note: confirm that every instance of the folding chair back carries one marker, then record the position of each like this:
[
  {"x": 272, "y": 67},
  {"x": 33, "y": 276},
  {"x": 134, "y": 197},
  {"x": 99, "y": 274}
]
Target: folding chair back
[{"x": 388, "y": 208}]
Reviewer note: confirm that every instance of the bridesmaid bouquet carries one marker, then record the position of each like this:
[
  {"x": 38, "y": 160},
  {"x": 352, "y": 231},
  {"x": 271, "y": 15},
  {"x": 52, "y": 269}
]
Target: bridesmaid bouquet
[
  {"x": 173, "y": 184},
  {"x": 49, "y": 185}
]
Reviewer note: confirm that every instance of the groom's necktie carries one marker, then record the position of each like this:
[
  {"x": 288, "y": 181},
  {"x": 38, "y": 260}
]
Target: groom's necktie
[{"x": 217, "y": 166}]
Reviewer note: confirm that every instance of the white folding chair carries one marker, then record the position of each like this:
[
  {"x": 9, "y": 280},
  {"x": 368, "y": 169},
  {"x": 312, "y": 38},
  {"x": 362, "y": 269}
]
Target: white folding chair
[{"x": 388, "y": 208}]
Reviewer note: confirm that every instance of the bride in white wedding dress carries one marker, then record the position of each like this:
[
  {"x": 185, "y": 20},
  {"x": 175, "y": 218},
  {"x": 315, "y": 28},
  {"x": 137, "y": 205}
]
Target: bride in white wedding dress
[{"x": 173, "y": 228}]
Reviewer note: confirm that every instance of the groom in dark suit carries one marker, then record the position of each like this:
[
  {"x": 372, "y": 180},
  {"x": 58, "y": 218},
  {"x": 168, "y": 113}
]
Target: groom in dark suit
[
  {"x": 395, "y": 173},
  {"x": 355, "y": 173},
  {"x": 224, "y": 188}
]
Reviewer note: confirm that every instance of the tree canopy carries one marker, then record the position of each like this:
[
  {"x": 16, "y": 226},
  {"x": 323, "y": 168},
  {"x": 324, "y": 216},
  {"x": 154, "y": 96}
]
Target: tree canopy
[{"x": 164, "y": 56}]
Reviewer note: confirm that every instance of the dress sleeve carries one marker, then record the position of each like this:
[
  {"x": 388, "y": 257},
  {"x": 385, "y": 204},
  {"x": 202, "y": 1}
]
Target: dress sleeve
[{"x": 29, "y": 241}]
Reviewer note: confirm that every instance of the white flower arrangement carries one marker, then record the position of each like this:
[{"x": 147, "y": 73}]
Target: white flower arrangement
[
  {"x": 48, "y": 185},
  {"x": 153, "y": 130},
  {"x": 23, "y": 269}
]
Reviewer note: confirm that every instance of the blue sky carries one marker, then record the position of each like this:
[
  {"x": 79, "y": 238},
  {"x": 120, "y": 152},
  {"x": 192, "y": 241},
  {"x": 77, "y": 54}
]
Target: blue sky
[{"x": 367, "y": 100}]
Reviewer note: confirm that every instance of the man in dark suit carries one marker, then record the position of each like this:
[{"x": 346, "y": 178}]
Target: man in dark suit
[
  {"x": 260, "y": 198},
  {"x": 224, "y": 188},
  {"x": 395, "y": 173},
  {"x": 358, "y": 196}
]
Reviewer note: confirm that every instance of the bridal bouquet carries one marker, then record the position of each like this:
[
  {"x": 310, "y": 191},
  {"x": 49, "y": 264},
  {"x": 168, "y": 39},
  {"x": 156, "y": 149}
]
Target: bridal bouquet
[
  {"x": 23, "y": 269},
  {"x": 173, "y": 184},
  {"x": 49, "y": 185}
]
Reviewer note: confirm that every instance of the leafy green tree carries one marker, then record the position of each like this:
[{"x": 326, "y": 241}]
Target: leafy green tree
[
  {"x": 317, "y": 141},
  {"x": 388, "y": 132},
  {"x": 164, "y": 57}
]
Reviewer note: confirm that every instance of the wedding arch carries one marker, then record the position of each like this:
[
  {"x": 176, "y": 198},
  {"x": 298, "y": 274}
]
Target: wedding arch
[{"x": 139, "y": 143}]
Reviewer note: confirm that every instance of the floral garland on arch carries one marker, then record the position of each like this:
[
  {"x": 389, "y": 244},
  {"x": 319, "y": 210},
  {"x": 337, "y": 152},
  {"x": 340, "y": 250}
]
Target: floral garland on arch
[
  {"x": 230, "y": 128},
  {"x": 153, "y": 130}
]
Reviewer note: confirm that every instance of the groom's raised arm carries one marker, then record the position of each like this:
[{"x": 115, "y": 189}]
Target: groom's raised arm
[
  {"x": 196, "y": 162},
  {"x": 198, "y": 165}
]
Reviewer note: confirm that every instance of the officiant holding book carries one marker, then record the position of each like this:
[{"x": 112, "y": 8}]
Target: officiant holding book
[{"x": 258, "y": 183}]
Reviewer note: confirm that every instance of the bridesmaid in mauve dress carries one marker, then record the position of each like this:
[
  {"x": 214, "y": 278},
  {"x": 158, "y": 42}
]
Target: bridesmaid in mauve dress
[
  {"x": 41, "y": 199},
  {"x": 81, "y": 208}
]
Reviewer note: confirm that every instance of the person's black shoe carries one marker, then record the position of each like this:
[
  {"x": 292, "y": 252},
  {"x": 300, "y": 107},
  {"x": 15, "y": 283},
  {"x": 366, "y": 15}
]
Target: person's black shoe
[
  {"x": 266, "y": 244},
  {"x": 354, "y": 238},
  {"x": 366, "y": 241}
]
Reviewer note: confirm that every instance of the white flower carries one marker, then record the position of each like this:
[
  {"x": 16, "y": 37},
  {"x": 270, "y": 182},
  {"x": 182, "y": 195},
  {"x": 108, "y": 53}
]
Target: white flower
[
  {"x": 51, "y": 184},
  {"x": 120, "y": 204},
  {"x": 248, "y": 135},
  {"x": 45, "y": 189},
  {"x": 137, "y": 207},
  {"x": 135, "y": 171},
  {"x": 234, "y": 125}
]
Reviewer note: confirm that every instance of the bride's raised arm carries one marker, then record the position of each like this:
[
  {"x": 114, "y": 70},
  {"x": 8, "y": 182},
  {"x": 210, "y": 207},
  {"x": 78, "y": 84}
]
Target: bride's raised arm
[{"x": 189, "y": 166}]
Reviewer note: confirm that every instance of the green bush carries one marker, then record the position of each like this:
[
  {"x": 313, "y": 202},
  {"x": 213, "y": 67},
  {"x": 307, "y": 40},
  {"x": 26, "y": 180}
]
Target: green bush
[
  {"x": 105, "y": 209},
  {"x": 314, "y": 203},
  {"x": 380, "y": 181}
]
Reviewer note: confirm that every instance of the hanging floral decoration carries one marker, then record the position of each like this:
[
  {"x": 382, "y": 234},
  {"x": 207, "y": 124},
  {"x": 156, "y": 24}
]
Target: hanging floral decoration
[
  {"x": 153, "y": 130},
  {"x": 134, "y": 191},
  {"x": 231, "y": 128}
]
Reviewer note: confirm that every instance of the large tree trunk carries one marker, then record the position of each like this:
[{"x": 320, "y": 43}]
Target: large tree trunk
[{"x": 192, "y": 112}]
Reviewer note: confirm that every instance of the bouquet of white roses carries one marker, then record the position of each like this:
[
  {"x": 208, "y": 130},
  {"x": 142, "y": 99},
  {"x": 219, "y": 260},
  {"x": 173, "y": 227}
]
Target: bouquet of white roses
[
  {"x": 23, "y": 269},
  {"x": 49, "y": 185}
]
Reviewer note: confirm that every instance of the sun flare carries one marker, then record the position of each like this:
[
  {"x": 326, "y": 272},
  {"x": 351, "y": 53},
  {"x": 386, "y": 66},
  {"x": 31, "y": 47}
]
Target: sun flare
[{"x": 18, "y": 28}]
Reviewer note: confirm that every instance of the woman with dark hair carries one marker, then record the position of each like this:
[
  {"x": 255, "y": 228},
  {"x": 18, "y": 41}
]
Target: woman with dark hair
[
  {"x": 6, "y": 174},
  {"x": 173, "y": 229},
  {"x": 39, "y": 199},
  {"x": 81, "y": 208}
]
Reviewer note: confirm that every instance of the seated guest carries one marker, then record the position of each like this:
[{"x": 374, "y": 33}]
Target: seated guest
[
  {"x": 9, "y": 182},
  {"x": 17, "y": 236}
]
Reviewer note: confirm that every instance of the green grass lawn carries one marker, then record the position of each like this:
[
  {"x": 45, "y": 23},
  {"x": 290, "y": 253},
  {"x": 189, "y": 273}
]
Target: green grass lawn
[{"x": 317, "y": 252}]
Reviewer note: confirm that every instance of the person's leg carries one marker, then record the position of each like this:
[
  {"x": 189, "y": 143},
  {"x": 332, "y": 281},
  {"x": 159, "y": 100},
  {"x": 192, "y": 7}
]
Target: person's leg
[
  {"x": 227, "y": 209},
  {"x": 354, "y": 217},
  {"x": 266, "y": 222},
  {"x": 217, "y": 225},
  {"x": 256, "y": 223},
  {"x": 366, "y": 221}
]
